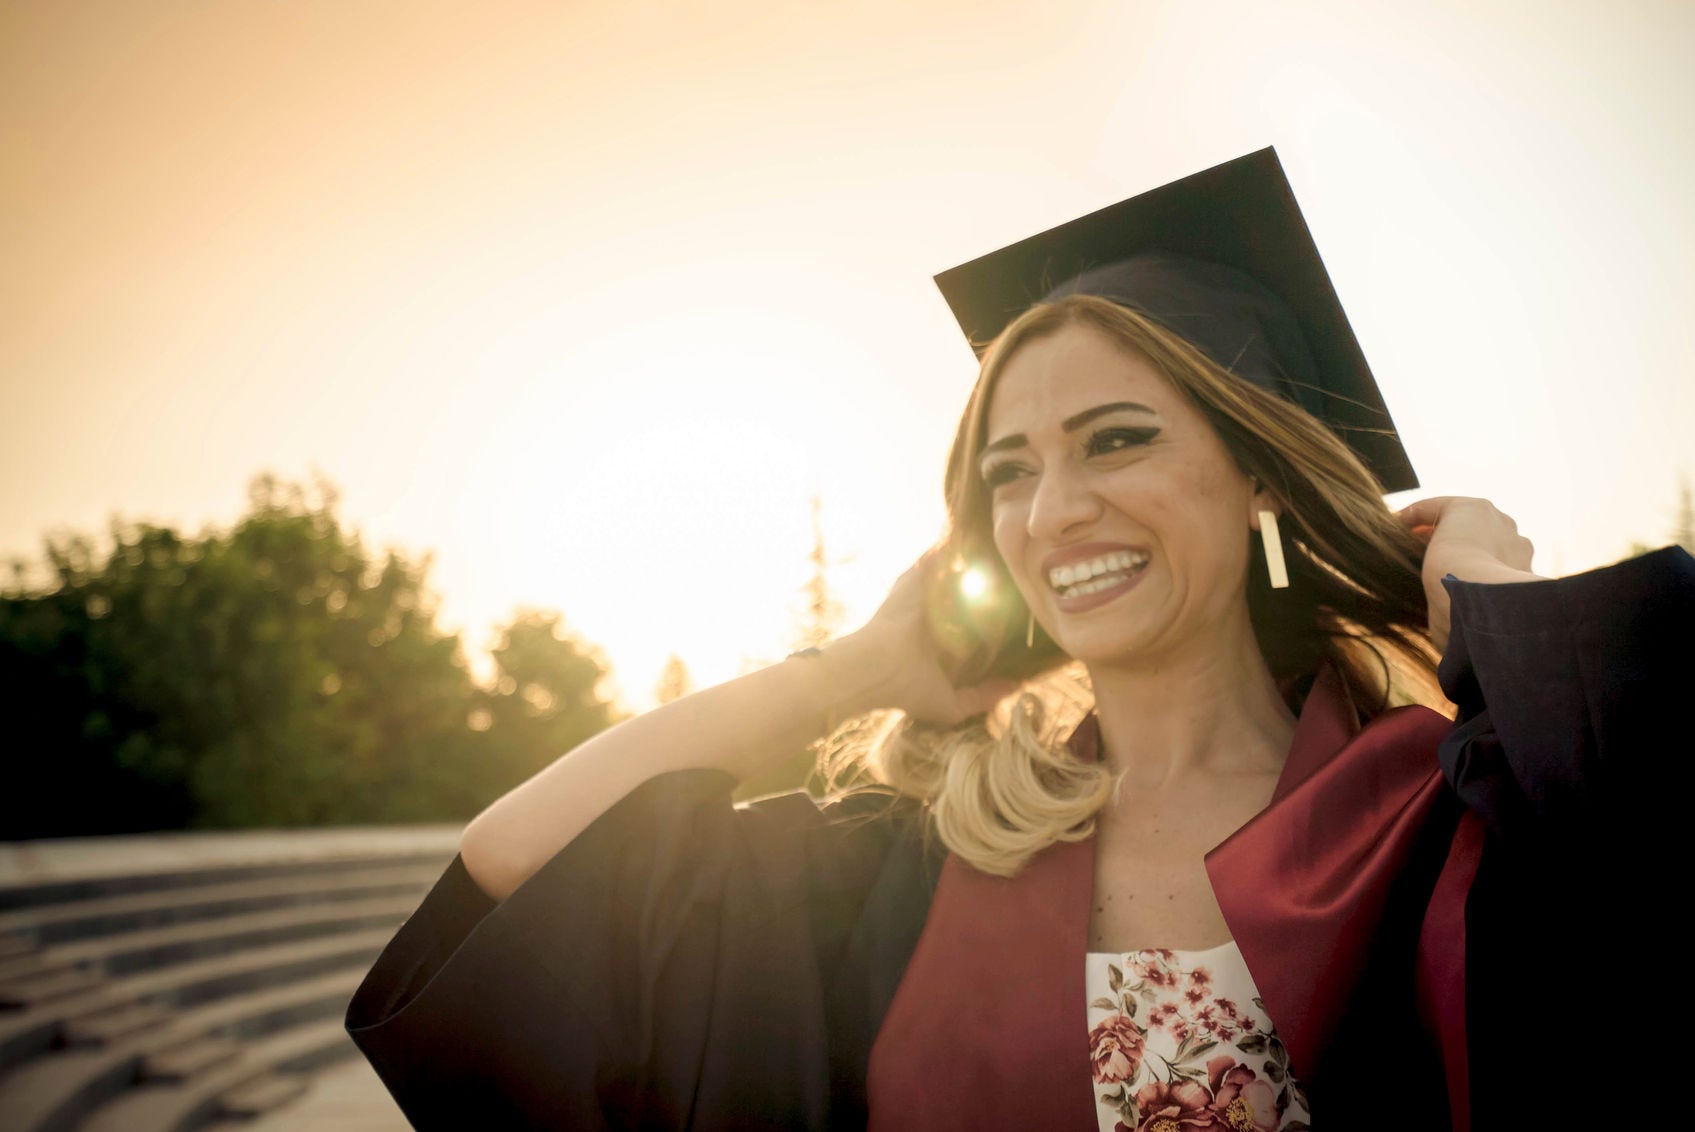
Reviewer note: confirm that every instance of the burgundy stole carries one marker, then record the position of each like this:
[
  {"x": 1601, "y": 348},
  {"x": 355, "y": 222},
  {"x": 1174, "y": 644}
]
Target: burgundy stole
[{"x": 988, "y": 1028}]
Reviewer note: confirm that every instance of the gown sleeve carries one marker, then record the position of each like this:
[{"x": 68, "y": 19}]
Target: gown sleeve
[
  {"x": 1573, "y": 724},
  {"x": 682, "y": 963},
  {"x": 1573, "y": 695}
]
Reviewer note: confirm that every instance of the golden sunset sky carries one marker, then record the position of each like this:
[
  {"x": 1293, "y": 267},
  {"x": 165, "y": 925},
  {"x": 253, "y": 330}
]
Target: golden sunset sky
[{"x": 589, "y": 297}]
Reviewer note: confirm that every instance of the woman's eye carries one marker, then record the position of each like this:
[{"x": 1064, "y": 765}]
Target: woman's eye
[
  {"x": 1002, "y": 473},
  {"x": 1119, "y": 439}
]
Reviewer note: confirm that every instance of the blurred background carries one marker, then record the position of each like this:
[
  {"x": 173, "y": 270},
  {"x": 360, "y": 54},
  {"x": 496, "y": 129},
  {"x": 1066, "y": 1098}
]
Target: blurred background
[{"x": 415, "y": 381}]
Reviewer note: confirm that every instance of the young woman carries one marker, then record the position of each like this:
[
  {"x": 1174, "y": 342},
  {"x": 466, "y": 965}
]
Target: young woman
[{"x": 1245, "y": 892}]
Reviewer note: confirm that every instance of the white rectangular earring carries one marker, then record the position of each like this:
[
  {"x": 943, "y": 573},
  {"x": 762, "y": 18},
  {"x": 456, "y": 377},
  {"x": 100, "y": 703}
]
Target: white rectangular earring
[{"x": 1273, "y": 542}]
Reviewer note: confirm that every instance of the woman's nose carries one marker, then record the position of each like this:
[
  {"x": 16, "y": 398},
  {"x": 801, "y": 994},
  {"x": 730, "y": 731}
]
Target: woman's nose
[{"x": 1061, "y": 504}]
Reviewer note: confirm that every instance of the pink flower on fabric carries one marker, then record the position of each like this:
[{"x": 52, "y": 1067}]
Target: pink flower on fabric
[
  {"x": 1162, "y": 1014},
  {"x": 1206, "y": 1018},
  {"x": 1200, "y": 977},
  {"x": 1240, "y": 1101},
  {"x": 1153, "y": 968},
  {"x": 1175, "y": 1106},
  {"x": 1115, "y": 1049}
]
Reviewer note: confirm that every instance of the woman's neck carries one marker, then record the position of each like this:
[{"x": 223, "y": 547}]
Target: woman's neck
[{"x": 1204, "y": 710}]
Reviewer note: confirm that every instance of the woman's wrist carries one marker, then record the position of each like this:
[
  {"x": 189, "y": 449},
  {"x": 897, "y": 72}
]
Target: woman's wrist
[
  {"x": 848, "y": 677},
  {"x": 1483, "y": 569}
]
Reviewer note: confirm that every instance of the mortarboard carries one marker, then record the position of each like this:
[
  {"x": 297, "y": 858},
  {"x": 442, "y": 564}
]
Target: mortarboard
[{"x": 1223, "y": 258}]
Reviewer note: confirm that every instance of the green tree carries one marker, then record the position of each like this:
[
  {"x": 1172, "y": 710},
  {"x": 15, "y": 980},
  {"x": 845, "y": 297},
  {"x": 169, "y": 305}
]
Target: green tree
[
  {"x": 821, "y": 618},
  {"x": 674, "y": 681},
  {"x": 1683, "y": 533},
  {"x": 1683, "y": 525},
  {"x": 547, "y": 695},
  {"x": 818, "y": 622},
  {"x": 274, "y": 674}
]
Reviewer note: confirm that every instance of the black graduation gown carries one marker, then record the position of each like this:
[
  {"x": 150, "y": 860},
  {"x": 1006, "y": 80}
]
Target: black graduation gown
[
  {"x": 1572, "y": 742},
  {"x": 684, "y": 963}
]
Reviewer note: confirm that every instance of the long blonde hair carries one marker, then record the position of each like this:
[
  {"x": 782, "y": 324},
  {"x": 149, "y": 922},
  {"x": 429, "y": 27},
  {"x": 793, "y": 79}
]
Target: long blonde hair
[{"x": 1004, "y": 788}]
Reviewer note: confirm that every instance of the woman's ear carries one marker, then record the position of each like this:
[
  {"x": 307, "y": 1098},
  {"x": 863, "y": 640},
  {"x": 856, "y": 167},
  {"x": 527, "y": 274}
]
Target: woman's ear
[{"x": 1263, "y": 499}]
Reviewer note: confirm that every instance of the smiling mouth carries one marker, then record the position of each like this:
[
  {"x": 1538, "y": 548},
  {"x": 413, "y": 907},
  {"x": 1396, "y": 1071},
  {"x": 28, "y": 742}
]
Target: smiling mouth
[{"x": 1078, "y": 579}]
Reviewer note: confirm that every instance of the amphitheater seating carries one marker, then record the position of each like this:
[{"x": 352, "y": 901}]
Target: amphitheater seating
[{"x": 155, "y": 1001}]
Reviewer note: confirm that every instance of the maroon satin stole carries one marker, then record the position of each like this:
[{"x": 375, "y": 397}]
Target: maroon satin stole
[{"x": 989, "y": 1029}]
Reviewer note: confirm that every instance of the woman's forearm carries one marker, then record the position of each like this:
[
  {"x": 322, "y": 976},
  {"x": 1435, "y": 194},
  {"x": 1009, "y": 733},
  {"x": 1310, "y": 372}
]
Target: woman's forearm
[{"x": 741, "y": 727}]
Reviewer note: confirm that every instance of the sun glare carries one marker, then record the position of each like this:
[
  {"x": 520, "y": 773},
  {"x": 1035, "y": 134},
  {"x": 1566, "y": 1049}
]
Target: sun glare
[{"x": 655, "y": 486}]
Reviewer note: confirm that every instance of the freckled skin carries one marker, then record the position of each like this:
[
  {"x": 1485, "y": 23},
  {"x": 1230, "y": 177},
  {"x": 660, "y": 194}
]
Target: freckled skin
[
  {"x": 1183, "y": 499},
  {"x": 1131, "y": 858}
]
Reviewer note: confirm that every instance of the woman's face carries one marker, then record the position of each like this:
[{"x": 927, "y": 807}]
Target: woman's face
[{"x": 1117, "y": 510}]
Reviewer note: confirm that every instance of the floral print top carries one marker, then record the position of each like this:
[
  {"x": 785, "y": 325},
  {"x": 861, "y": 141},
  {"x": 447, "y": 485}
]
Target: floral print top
[{"x": 1179, "y": 1041}]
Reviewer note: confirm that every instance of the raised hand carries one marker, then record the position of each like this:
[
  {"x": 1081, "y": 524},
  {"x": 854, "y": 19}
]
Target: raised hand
[
  {"x": 1471, "y": 539},
  {"x": 897, "y": 646}
]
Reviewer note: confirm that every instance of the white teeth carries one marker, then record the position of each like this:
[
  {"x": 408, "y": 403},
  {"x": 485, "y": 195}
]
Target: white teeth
[{"x": 1086, "y": 577}]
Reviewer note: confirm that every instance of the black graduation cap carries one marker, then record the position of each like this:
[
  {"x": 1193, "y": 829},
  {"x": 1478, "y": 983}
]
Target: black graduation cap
[{"x": 1223, "y": 258}]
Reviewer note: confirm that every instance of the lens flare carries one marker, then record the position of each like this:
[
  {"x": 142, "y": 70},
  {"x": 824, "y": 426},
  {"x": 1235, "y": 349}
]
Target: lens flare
[{"x": 973, "y": 583}]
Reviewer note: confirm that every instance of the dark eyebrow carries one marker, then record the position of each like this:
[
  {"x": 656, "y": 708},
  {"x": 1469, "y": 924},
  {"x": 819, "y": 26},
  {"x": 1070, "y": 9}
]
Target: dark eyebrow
[{"x": 1071, "y": 424}]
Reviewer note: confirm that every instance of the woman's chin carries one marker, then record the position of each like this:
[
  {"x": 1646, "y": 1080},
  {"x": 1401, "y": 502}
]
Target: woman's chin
[{"x": 1097, "y": 647}]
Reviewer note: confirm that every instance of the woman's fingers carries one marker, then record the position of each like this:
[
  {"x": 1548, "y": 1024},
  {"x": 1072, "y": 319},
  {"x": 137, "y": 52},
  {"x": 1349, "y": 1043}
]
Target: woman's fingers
[
  {"x": 1424, "y": 512},
  {"x": 1468, "y": 533}
]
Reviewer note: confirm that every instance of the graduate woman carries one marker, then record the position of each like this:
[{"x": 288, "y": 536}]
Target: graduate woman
[{"x": 1257, "y": 887}]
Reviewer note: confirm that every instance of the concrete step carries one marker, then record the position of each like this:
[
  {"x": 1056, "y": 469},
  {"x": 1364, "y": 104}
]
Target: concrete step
[
  {"x": 186, "y": 1060},
  {"x": 109, "y": 871},
  {"x": 55, "y": 1091},
  {"x": 149, "y": 948},
  {"x": 37, "y": 1029},
  {"x": 37, "y": 990},
  {"x": 32, "y": 963},
  {"x": 208, "y": 1097},
  {"x": 253, "y": 1016},
  {"x": 51, "y": 1093},
  {"x": 205, "y": 980},
  {"x": 46, "y": 1010},
  {"x": 205, "y": 990},
  {"x": 12, "y": 946},
  {"x": 253, "y": 1099},
  {"x": 85, "y": 919},
  {"x": 104, "y": 1027}
]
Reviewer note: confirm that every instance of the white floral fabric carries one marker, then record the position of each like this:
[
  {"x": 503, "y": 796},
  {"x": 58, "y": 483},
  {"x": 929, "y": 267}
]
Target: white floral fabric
[{"x": 1179, "y": 1041}]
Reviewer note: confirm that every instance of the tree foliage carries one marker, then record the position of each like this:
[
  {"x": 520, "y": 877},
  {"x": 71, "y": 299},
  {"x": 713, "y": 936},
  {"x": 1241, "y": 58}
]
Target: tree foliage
[
  {"x": 278, "y": 673},
  {"x": 674, "y": 681},
  {"x": 821, "y": 617},
  {"x": 817, "y": 623},
  {"x": 1683, "y": 525}
]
